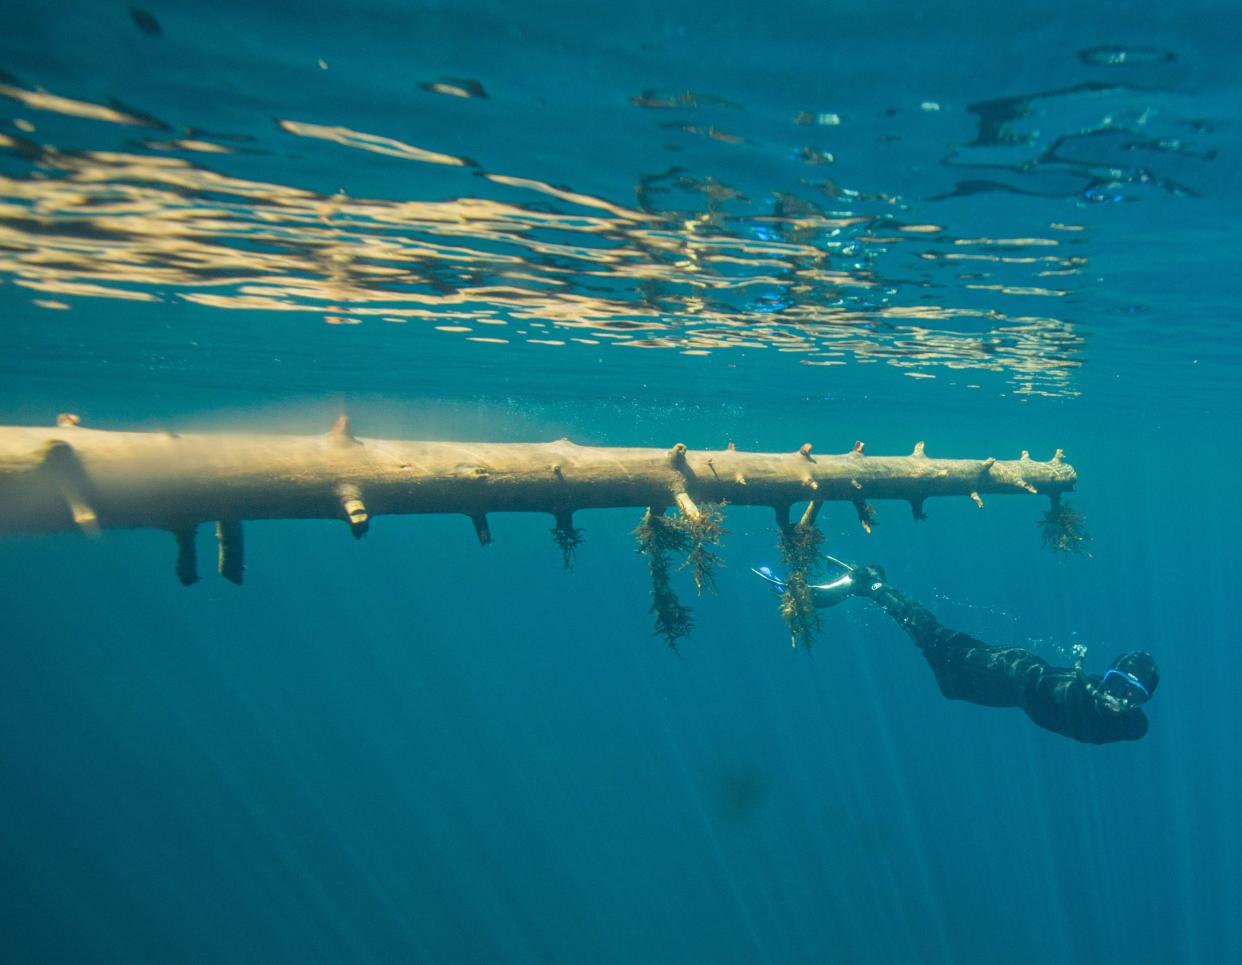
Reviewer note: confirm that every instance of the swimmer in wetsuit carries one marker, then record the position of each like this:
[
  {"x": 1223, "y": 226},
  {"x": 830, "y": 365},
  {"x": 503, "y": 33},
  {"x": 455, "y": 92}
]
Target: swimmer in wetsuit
[{"x": 1095, "y": 710}]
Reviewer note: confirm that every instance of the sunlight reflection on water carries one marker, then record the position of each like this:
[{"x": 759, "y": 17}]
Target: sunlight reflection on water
[{"x": 829, "y": 275}]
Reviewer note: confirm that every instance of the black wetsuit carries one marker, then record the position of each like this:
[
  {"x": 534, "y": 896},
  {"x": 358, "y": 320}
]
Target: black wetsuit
[{"x": 1060, "y": 699}]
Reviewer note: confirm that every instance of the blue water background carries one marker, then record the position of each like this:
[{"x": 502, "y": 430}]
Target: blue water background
[{"x": 408, "y": 748}]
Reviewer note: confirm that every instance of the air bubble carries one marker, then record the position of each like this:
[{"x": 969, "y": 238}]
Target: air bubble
[{"x": 1110, "y": 56}]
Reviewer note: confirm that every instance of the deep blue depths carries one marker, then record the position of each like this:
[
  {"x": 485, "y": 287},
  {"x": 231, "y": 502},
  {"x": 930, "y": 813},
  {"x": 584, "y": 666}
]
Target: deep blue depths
[{"x": 411, "y": 749}]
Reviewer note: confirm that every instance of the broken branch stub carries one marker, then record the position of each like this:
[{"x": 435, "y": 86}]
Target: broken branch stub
[{"x": 567, "y": 538}]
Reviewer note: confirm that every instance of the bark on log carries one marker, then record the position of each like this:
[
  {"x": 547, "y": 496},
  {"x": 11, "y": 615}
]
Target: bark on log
[{"x": 70, "y": 477}]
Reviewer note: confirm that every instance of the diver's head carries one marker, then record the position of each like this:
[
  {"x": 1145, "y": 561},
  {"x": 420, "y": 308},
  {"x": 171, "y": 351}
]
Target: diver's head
[{"x": 1131, "y": 681}]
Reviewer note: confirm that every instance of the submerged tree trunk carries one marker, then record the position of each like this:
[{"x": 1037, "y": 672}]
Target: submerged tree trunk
[{"x": 71, "y": 477}]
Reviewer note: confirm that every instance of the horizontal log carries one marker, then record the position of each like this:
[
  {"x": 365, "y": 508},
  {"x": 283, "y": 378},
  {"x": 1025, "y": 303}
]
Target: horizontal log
[{"x": 70, "y": 477}]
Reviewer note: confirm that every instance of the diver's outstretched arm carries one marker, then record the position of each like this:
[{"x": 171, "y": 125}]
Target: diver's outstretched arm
[
  {"x": 914, "y": 618},
  {"x": 965, "y": 668},
  {"x": 1060, "y": 699}
]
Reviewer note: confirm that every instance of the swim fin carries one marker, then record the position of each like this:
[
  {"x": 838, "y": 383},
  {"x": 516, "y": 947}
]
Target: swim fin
[{"x": 765, "y": 573}]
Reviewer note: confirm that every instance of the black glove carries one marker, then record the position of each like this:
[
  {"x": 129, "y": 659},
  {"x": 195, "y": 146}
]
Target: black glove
[{"x": 866, "y": 579}]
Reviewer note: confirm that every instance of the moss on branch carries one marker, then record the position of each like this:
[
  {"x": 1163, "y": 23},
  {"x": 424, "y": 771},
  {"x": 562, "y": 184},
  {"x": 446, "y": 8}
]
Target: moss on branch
[
  {"x": 799, "y": 548},
  {"x": 702, "y": 532},
  {"x": 659, "y": 538},
  {"x": 1064, "y": 529},
  {"x": 567, "y": 539}
]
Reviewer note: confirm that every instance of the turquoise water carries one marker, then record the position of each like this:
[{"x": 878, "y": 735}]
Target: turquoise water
[{"x": 992, "y": 229}]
